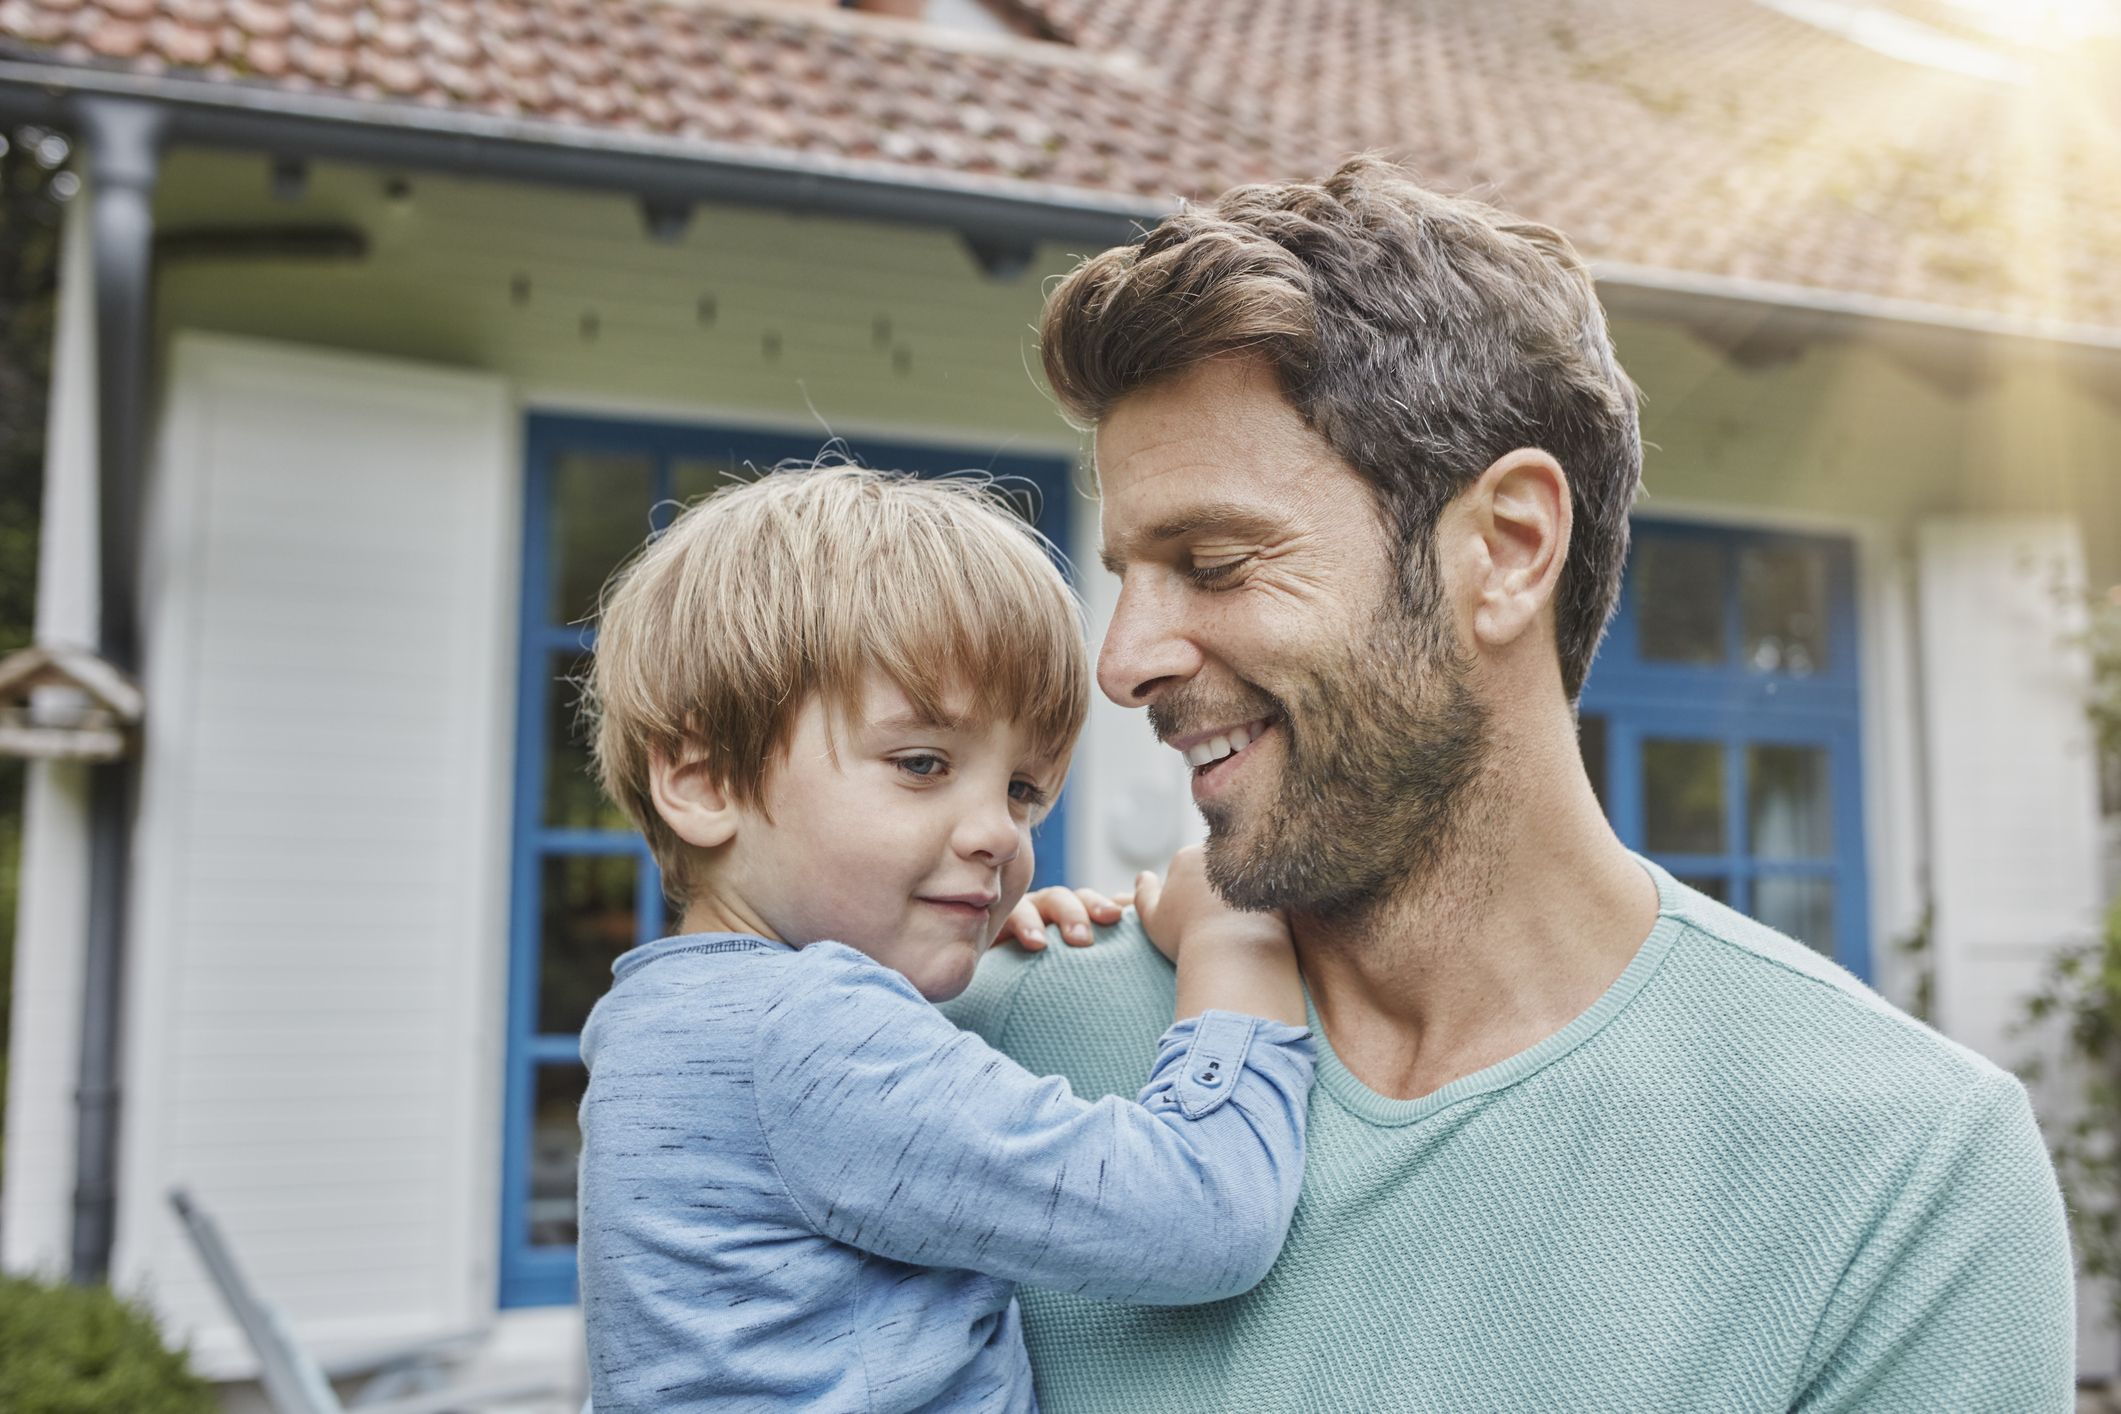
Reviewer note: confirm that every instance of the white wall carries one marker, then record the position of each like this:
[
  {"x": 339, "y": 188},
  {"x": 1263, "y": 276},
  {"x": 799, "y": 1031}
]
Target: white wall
[{"x": 318, "y": 942}]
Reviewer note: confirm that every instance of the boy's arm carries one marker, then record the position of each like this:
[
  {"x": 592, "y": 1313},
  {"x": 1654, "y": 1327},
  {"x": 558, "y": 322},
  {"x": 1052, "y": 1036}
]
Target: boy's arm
[
  {"x": 897, "y": 1133},
  {"x": 1962, "y": 1295}
]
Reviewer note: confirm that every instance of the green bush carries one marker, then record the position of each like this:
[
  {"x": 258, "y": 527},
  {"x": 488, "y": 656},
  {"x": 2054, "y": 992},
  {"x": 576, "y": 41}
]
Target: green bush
[{"x": 85, "y": 1350}]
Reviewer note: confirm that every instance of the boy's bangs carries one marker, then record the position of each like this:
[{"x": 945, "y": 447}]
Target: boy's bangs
[{"x": 985, "y": 635}]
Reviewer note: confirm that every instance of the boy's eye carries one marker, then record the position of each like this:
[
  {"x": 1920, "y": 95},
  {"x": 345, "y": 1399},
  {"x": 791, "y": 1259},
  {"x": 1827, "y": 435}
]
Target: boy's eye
[
  {"x": 926, "y": 765},
  {"x": 1029, "y": 793}
]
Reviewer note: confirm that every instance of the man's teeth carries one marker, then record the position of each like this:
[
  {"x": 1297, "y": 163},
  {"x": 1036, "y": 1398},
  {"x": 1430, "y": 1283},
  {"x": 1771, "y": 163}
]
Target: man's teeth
[{"x": 1215, "y": 748}]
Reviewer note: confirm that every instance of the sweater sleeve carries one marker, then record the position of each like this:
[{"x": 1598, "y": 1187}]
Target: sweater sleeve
[
  {"x": 1962, "y": 1296},
  {"x": 899, "y": 1134}
]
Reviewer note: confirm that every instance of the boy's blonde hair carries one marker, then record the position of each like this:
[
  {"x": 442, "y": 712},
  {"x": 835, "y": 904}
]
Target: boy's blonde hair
[{"x": 721, "y": 628}]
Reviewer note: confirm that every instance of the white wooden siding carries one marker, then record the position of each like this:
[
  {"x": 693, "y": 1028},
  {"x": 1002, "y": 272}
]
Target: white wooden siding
[{"x": 319, "y": 936}]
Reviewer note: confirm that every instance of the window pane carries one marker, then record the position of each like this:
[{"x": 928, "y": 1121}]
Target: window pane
[
  {"x": 1682, "y": 796},
  {"x": 586, "y": 921},
  {"x": 599, "y": 515},
  {"x": 1714, "y": 885},
  {"x": 1789, "y": 802},
  {"x": 555, "y": 1148},
  {"x": 1590, "y": 737},
  {"x": 1802, "y": 908},
  {"x": 694, "y": 477},
  {"x": 1678, "y": 593},
  {"x": 1782, "y": 608},
  {"x": 573, "y": 800}
]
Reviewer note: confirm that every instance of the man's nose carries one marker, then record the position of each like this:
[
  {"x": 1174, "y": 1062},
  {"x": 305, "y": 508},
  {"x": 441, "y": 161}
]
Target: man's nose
[{"x": 1145, "y": 648}]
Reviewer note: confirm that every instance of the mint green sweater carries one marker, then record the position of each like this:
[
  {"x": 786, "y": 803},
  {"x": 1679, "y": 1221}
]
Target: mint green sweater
[{"x": 1740, "y": 1181}]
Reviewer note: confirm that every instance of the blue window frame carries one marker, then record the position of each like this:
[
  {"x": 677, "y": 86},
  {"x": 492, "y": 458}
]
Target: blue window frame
[
  {"x": 1721, "y": 725},
  {"x": 583, "y": 885}
]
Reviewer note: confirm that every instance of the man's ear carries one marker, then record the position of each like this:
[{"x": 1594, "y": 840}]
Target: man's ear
[
  {"x": 1521, "y": 524},
  {"x": 692, "y": 801}
]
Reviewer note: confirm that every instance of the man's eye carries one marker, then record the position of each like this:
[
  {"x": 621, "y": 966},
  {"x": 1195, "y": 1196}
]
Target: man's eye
[
  {"x": 1207, "y": 576},
  {"x": 927, "y": 766}
]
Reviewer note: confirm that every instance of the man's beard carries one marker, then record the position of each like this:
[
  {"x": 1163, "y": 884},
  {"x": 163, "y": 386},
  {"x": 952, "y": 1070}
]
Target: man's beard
[{"x": 1383, "y": 747}]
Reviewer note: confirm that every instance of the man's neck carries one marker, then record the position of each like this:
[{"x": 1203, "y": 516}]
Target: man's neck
[{"x": 1529, "y": 913}]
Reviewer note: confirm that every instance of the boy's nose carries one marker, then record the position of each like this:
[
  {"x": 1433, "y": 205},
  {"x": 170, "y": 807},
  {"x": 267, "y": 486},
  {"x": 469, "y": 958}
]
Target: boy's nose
[{"x": 990, "y": 833}]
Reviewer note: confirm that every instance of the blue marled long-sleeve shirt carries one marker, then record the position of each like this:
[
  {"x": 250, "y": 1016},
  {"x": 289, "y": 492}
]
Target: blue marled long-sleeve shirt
[{"x": 804, "y": 1188}]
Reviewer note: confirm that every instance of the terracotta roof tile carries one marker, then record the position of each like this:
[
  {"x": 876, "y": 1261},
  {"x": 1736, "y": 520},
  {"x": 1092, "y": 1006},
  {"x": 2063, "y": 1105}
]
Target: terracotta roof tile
[{"x": 1709, "y": 136}]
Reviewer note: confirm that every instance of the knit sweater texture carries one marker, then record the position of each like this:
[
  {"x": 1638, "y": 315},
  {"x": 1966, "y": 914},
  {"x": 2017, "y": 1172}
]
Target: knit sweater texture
[{"x": 1739, "y": 1181}]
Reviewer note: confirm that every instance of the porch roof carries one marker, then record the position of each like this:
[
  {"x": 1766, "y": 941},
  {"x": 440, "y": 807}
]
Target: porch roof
[{"x": 1702, "y": 146}]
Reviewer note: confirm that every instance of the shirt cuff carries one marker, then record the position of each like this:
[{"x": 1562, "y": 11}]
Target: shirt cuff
[{"x": 1210, "y": 1052}]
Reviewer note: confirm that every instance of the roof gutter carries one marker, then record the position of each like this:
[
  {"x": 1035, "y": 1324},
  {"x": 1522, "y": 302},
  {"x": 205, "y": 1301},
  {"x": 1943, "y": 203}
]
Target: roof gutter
[
  {"x": 255, "y": 117},
  {"x": 1761, "y": 311}
]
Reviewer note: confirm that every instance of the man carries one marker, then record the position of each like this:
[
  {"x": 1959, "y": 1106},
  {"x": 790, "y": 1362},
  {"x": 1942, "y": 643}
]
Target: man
[{"x": 1582, "y": 1138}]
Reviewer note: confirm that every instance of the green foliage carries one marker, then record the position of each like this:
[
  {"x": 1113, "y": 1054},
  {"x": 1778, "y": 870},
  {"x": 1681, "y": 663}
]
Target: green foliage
[
  {"x": 1914, "y": 945},
  {"x": 2080, "y": 995},
  {"x": 2079, "y": 998},
  {"x": 84, "y": 1350}
]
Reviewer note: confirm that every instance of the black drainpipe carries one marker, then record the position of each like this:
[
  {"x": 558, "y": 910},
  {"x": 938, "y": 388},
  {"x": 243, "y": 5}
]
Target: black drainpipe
[{"x": 124, "y": 140}]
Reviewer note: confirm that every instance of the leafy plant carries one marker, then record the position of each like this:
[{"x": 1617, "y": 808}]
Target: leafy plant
[
  {"x": 85, "y": 1350},
  {"x": 2079, "y": 1002}
]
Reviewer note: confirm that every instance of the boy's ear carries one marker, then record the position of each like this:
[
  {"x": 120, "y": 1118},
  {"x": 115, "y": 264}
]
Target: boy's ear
[{"x": 692, "y": 802}]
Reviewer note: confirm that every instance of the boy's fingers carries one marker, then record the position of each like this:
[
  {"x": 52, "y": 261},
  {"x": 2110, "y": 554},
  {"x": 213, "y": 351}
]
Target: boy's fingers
[
  {"x": 1065, "y": 909},
  {"x": 1148, "y": 888},
  {"x": 1025, "y": 926},
  {"x": 1100, "y": 908}
]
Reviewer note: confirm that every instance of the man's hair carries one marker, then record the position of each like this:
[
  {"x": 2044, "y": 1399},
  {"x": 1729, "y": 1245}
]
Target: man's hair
[
  {"x": 1422, "y": 336},
  {"x": 801, "y": 583}
]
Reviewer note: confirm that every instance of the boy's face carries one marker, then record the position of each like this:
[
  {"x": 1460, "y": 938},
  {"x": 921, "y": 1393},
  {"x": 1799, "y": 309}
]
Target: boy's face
[{"x": 906, "y": 839}]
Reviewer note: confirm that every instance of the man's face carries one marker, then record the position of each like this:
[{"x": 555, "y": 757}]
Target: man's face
[{"x": 1332, "y": 734}]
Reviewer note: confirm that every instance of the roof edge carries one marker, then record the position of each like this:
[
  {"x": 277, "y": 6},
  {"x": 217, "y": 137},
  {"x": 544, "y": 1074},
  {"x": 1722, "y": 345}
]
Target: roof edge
[
  {"x": 1651, "y": 290},
  {"x": 423, "y": 136}
]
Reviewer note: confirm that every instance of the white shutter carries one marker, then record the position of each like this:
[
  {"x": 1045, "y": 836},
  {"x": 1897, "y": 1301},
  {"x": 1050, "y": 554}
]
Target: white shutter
[
  {"x": 2013, "y": 805},
  {"x": 319, "y": 946}
]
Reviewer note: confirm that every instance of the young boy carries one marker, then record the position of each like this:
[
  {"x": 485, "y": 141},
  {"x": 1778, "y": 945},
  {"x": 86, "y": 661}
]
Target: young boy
[{"x": 835, "y": 701}]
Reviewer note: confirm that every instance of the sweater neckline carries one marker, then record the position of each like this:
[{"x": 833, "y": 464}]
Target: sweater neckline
[
  {"x": 1384, "y": 1111},
  {"x": 659, "y": 948}
]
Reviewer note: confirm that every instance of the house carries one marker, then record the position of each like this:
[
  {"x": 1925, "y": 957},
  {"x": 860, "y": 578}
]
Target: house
[{"x": 387, "y": 326}]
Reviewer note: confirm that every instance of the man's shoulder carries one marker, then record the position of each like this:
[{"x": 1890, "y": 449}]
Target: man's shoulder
[
  {"x": 1090, "y": 1014},
  {"x": 1806, "y": 1028}
]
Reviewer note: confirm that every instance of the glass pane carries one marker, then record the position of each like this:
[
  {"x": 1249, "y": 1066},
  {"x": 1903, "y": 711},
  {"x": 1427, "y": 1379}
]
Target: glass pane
[
  {"x": 555, "y": 1149},
  {"x": 1682, "y": 796},
  {"x": 586, "y": 920},
  {"x": 1789, "y": 803},
  {"x": 1714, "y": 885},
  {"x": 599, "y": 516},
  {"x": 1678, "y": 593},
  {"x": 1801, "y": 908},
  {"x": 694, "y": 477},
  {"x": 1590, "y": 737},
  {"x": 1782, "y": 608},
  {"x": 573, "y": 800}
]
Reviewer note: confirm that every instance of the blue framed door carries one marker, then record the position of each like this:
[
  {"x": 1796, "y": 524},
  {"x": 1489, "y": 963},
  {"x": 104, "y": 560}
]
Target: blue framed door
[
  {"x": 584, "y": 887},
  {"x": 1722, "y": 722}
]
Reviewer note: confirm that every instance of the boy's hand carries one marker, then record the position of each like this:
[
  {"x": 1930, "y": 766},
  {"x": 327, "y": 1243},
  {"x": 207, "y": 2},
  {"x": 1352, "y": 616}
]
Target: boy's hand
[
  {"x": 1183, "y": 906},
  {"x": 1073, "y": 909}
]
